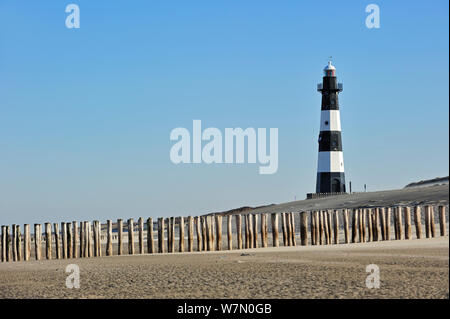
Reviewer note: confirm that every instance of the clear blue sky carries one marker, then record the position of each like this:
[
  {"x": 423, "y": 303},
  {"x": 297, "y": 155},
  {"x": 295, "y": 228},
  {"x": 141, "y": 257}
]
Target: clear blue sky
[{"x": 85, "y": 114}]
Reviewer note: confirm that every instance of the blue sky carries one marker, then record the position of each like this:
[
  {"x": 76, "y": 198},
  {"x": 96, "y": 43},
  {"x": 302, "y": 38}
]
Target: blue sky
[{"x": 85, "y": 114}]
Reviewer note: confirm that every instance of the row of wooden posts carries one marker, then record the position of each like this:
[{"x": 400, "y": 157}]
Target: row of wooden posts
[{"x": 75, "y": 240}]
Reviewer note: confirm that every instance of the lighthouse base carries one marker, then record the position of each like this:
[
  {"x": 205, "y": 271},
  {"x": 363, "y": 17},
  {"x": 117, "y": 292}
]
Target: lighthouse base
[{"x": 330, "y": 182}]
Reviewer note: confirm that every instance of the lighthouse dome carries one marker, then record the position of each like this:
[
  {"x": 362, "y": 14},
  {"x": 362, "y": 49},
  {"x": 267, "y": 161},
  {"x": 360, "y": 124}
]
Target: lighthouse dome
[{"x": 329, "y": 70}]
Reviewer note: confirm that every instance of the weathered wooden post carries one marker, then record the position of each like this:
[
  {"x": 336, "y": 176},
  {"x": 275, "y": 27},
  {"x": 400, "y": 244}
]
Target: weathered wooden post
[
  {"x": 172, "y": 234},
  {"x": 109, "y": 247},
  {"x": 382, "y": 217},
  {"x": 4, "y": 243},
  {"x": 37, "y": 241},
  {"x": 239, "y": 231},
  {"x": 336, "y": 227},
  {"x": 82, "y": 240},
  {"x": 57, "y": 241},
  {"x": 442, "y": 222},
  {"x": 263, "y": 230},
  {"x": 304, "y": 228},
  {"x": 255, "y": 230},
  {"x": 18, "y": 243},
  {"x": 325, "y": 227},
  {"x": 250, "y": 230},
  {"x": 312, "y": 226},
  {"x": 161, "y": 235},
  {"x": 275, "y": 240},
  {"x": 346, "y": 227},
  {"x": 208, "y": 233},
  {"x": 63, "y": 240},
  {"x": 131, "y": 236},
  {"x": 432, "y": 224},
  {"x": 377, "y": 223},
  {"x": 318, "y": 239},
  {"x": 75, "y": 239},
  {"x": 190, "y": 234},
  {"x": 204, "y": 233},
  {"x": 219, "y": 232},
  {"x": 198, "y": 228},
  {"x": 407, "y": 212},
  {"x": 368, "y": 213},
  {"x": 418, "y": 221},
  {"x": 26, "y": 243},
  {"x": 247, "y": 244},
  {"x": 230, "y": 232},
  {"x": 150, "y": 241},
  {"x": 355, "y": 220},
  {"x": 361, "y": 225},
  {"x": 321, "y": 228},
  {"x": 69, "y": 240},
  {"x": 119, "y": 237},
  {"x": 388, "y": 223},
  {"x": 284, "y": 229},
  {"x": 14, "y": 243},
  {"x": 399, "y": 223},
  {"x": 294, "y": 240},
  {"x": 141, "y": 236},
  {"x": 95, "y": 238},
  {"x": 289, "y": 228},
  {"x": 169, "y": 237},
  {"x": 89, "y": 239},
  {"x": 181, "y": 234},
  {"x": 48, "y": 240}
]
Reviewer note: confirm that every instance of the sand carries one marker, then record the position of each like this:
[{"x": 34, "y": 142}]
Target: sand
[{"x": 408, "y": 269}]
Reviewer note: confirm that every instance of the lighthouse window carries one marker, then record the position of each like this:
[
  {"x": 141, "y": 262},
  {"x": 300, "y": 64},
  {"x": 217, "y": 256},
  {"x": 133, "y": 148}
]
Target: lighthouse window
[{"x": 326, "y": 122}]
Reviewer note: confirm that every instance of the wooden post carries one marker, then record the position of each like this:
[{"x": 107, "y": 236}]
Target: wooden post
[
  {"x": 289, "y": 228},
  {"x": 181, "y": 234},
  {"x": 26, "y": 243},
  {"x": 294, "y": 241},
  {"x": 198, "y": 228},
  {"x": 407, "y": 212},
  {"x": 239, "y": 231},
  {"x": 377, "y": 223},
  {"x": 99, "y": 236},
  {"x": 312, "y": 226},
  {"x": 75, "y": 240},
  {"x": 432, "y": 224},
  {"x": 119, "y": 237},
  {"x": 247, "y": 244},
  {"x": 361, "y": 225},
  {"x": 399, "y": 223},
  {"x": 14, "y": 243},
  {"x": 275, "y": 239},
  {"x": 18, "y": 243},
  {"x": 442, "y": 222},
  {"x": 150, "y": 241},
  {"x": 304, "y": 228},
  {"x": 63, "y": 240},
  {"x": 204, "y": 233},
  {"x": 37, "y": 241},
  {"x": 69, "y": 240},
  {"x": 89, "y": 239},
  {"x": 219, "y": 232},
  {"x": 321, "y": 228},
  {"x": 161, "y": 235},
  {"x": 109, "y": 247},
  {"x": 131, "y": 236},
  {"x": 172, "y": 234},
  {"x": 57, "y": 241},
  {"x": 208, "y": 233},
  {"x": 428, "y": 221},
  {"x": 418, "y": 221},
  {"x": 264, "y": 242},
  {"x": 190, "y": 234},
  {"x": 330, "y": 226},
  {"x": 3, "y": 244},
  {"x": 382, "y": 217},
  {"x": 250, "y": 230},
  {"x": 255, "y": 230},
  {"x": 283, "y": 228},
  {"x": 95, "y": 238},
  {"x": 48, "y": 240},
  {"x": 82, "y": 240},
  {"x": 388, "y": 223},
  {"x": 141, "y": 235},
  {"x": 325, "y": 227},
  {"x": 346, "y": 227},
  {"x": 355, "y": 220},
  {"x": 368, "y": 213},
  {"x": 230, "y": 232},
  {"x": 336, "y": 227}
]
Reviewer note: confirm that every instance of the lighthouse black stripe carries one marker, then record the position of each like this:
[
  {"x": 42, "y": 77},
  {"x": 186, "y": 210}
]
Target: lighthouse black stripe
[
  {"x": 330, "y": 141},
  {"x": 330, "y": 101},
  {"x": 330, "y": 183}
]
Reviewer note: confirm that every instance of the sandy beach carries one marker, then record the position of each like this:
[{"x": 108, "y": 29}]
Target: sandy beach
[{"x": 408, "y": 269}]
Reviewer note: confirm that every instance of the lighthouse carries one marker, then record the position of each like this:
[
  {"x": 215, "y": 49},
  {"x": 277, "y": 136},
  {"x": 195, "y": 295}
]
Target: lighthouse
[{"x": 330, "y": 167}]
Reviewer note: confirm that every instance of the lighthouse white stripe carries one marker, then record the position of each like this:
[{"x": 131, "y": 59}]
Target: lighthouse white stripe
[
  {"x": 330, "y": 120},
  {"x": 330, "y": 162}
]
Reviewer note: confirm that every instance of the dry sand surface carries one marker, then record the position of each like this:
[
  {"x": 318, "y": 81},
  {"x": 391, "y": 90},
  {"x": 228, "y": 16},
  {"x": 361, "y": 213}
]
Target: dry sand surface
[{"x": 408, "y": 269}]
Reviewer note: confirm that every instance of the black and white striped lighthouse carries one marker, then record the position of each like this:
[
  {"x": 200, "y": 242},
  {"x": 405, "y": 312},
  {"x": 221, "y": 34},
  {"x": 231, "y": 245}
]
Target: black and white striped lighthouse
[{"x": 330, "y": 168}]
